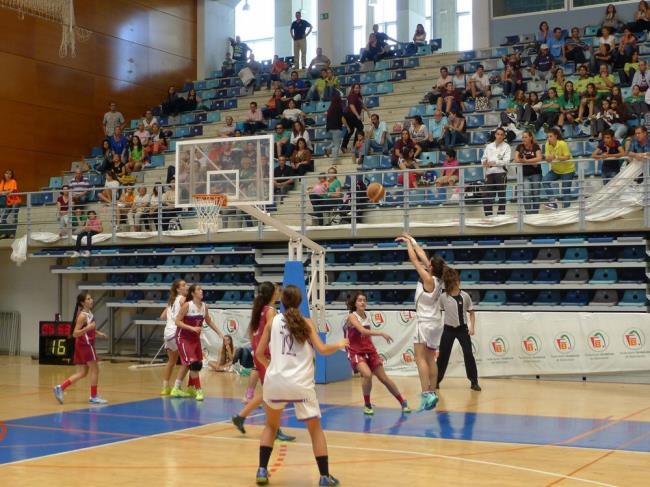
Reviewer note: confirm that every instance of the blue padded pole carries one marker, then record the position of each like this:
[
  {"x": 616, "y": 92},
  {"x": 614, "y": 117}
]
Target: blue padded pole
[{"x": 294, "y": 274}]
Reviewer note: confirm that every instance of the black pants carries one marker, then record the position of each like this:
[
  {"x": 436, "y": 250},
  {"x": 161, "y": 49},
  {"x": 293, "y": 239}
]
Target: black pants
[
  {"x": 495, "y": 191},
  {"x": 548, "y": 118},
  {"x": 252, "y": 127},
  {"x": 460, "y": 333},
  {"x": 355, "y": 126},
  {"x": 244, "y": 357},
  {"x": 577, "y": 55},
  {"x": 89, "y": 239}
]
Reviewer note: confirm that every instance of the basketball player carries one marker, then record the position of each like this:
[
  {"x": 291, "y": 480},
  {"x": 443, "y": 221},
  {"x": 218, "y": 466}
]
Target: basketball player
[
  {"x": 290, "y": 379},
  {"x": 263, "y": 313},
  {"x": 457, "y": 305},
  {"x": 176, "y": 299},
  {"x": 85, "y": 357},
  {"x": 428, "y": 318},
  {"x": 189, "y": 322},
  {"x": 362, "y": 353}
]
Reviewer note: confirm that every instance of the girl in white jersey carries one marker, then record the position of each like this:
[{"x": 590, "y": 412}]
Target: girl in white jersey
[
  {"x": 428, "y": 318},
  {"x": 289, "y": 378},
  {"x": 176, "y": 299}
]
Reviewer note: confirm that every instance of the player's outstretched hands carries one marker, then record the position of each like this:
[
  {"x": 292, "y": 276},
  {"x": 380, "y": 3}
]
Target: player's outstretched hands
[
  {"x": 387, "y": 337},
  {"x": 405, "y": 238},
  {"x": 343, "y": 343}
]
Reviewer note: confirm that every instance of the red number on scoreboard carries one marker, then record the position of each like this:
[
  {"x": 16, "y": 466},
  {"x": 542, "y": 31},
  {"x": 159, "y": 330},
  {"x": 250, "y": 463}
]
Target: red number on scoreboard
[
  {"x": 47, "y": 329},
  {"x": 64, "y": 329}
]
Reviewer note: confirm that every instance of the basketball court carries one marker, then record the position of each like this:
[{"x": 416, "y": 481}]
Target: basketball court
[{"x": 514, "y": 432}]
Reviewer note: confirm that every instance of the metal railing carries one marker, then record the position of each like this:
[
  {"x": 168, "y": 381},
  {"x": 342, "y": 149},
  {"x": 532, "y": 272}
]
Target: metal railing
[{"x": 414, "y": 198}]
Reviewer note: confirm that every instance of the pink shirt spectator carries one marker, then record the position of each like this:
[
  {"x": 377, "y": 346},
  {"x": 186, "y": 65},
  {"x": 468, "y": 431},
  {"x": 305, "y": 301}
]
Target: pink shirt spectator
[
  {"x": 94, "y": 225},
  {"x": 143, "y": 136},
  {"x": 446, "y": 171},
  {"x": 319, "y": 188},
  {"x": 254, "y": 116}
]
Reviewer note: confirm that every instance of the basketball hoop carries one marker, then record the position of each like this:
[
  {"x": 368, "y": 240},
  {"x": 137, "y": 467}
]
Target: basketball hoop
[{"x": 207, "y": 208}]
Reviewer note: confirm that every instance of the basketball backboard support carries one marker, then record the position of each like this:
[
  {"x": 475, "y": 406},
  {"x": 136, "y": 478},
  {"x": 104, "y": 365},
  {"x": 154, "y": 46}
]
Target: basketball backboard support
[{"x": 239, "y": 167}]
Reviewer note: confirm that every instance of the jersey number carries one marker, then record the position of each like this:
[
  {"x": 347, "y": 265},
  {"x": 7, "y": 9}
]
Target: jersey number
[{"x": 287, "y": 345}]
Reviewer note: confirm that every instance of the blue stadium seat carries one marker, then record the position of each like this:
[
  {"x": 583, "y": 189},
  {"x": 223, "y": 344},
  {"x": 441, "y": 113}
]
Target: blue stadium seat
[
  {"x": 231, "y": 296},
  {"x": 469, "y": 276},
  {"x": 374, "y": 177},
  {"x": 467, "y": 156},
  {"x": 520, "y": 256},
  {"x": 371, "y": 162},
  {"x": 473, "y": 174},
  {"x": 493, "y": 297},
  {"x": 390, "y": 179},
  {"x": 492, "y": 276},
  {"x": 631, "y": 254},
  {"x": 173, "y": 261},
  {"x": 547, "y": 298},
  {"x": 347, "y": 277},
  {"x": 154, "y": 278},
  {"x": 373, "y": 296},
  {"x": 519, "y": 298},
  {"x": 157, "y": 160},
  {"x": 417, "y": 110},
  {"x": 446, "y": 254},
  {"x": 394, "y": 198},
  {"x": 493, "y": 256},
  {"x": 548, "y": 276},
  {"x": 520, "y": 276},
  {"x": 633, "y": 297},
  {"x": 575, "y": 254},
  {"x": 604, "y": 276},
  {"x": 576, "y": 297},
  {"x": 385, "y": 162},
  {"x": 192, "y": 260},
  {"x": 56, "y": 182},
  {"x": 429, "y": 157}
]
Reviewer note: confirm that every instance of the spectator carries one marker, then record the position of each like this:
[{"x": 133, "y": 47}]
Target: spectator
[
  {"x": 514, "y": 112},
  {"x": 190, "y": 103},
  {"x": 353, "y": 114},
  {"x": 611, "y": 19},
  {"x": 439, "y": 88},
  {"x": 607, "y": 37},
  {"x": 136, "y": 155},
  {"x": 631, "y": 68},
  {"x": 604, "y": 81},
  {"x": 359, "y": 148},
  {"x": 256, "y": 69},
  {"x": 318, "y": 198},
  {"x": 227, "y": 66},
  {"x": 239, "y": 49},
  {"x": 627, "y": 45},
  {"x": 450, "y": 99},
  {"x": 382, "y": 38},
  {"x": 107, "y": 157},
  {"x": 529, "y": 155},
  {"x": 420, "y": 36},
  {"x": 149, "y": 221},
  {"x": 157, "y": 142},
  {"x": 298, "y": 131},
  {"x": 450, "y": 172},
  {"x": 139, "y": 210},
  {"x": 532, "y": 108},
  {"x": 636, "y": 102},
  {"x": 254, "y": 120},
  {"x": 640, "y": 147},
  {"x": 118, "y": 166},
  {"x": 569, "y": 105},
  {"x": 172, "y": 105},
  {"x": 149, "y": 120},
  {"x": 437, "y": 128},
  {"x": 334, "y": 124},
  {"x": 277, "y": 68},
  {"x": 9, "y": 189},
  {"x": 543, "y": 34},
  {"x": 641, "y": 18},
  {"x": 334, "y": 195},
  {"x": 420, "y": 136},
  {"x": 124, "y": 204},
  {"x": 495, "y": 158},
  {"x": 558, "y": 82},
  {"x": 557, "y": 153},
  {"x": 588, "y": 102},
  {"x": 556, "y": 45},
  {"x": 331, "y": 85},
  {"x": 602, "y": 56},
  {"x": 282, "y": 174},
  {"x": 301, "y": 160},
  {"x": 142, "y": 134},
  {"x": 611, "y": 152},
  {"x": 408, "y": 164},
  {"x": 401, "y": 147},
  {"x": 79, "y": 189},
  {"x": 169, "y": 211},
  {"x": 275, "y": 106},
  {"x": 111, "y": 185},
  {"x": 479, "y": 83},
  {"x": 619, "y": 117},
  {"x": 300, "y": 29},
  {"x": 378, "y": 138},
  {"x": 575, "y": 48},
  {"x": 119, "y": 145},
  {"x": 63, "y": 210},
  {"x": 318, "y": 64},
  {"x": 292, "y": 114},
  {"x": 460, "y": 82},
  {"x": 455, "y": 130},
  {"x": 296, "y": 82},
  {"x": 511, "y": 80},
  {"x": 583, "y": 79},
  {"x": 92, "y": 227},
  {"x": 112, "y": 120},
  {"x": 227, "y": 130},
  {"x": 374, "y": 51},
  {"x": 603, "y": 118},
  {"x": 550, "y": 112},
  {"x": 281, "y": 138},
  {"x": 226, "y": 357},
  {"x": 543, "y": 65}
]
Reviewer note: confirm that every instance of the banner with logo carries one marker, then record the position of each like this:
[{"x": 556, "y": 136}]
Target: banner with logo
[{"x": 506, "y": 343}]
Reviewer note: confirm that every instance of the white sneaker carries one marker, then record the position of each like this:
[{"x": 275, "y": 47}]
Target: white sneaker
[{"x": 97, "y": 400}]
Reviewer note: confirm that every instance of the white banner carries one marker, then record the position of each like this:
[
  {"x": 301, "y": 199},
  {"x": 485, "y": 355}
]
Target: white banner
[{"x": 506, "y": 343}]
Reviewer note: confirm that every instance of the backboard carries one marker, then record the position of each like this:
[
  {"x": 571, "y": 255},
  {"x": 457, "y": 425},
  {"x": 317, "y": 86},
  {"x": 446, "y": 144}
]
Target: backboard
[{"x": 239, "y": 167}]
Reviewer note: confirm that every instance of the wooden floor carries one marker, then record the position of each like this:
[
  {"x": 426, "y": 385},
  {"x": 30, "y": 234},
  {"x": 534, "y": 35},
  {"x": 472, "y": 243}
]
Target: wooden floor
[{"x": 566, "y": 434}]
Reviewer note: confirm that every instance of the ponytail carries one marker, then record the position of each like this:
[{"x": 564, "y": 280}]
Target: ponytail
[
  {"x": 296, "y": 323},
  {"x": 438, "y": 266},
  {"x": 173, "y": 291},
  {"x": 264, "y": 296},
  {"x": 81, "y": 297}
]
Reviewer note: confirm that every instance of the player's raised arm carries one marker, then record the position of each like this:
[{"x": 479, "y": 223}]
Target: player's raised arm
[{"x": 319, "y": 346}]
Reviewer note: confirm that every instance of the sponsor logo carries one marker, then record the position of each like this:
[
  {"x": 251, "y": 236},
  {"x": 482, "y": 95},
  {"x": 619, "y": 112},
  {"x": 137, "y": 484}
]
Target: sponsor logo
[
  {"x": 406, "y": 317},
  {"x": 598, "y": 341},
  {"x": 230, "y": 325},
  {"x": 498, "y": 346},
  {"x": 564, "y": 342},
  {"x": 633, "y": 339},
  {"x": 531, "y": 344},
  {"x": 377, "y": 320},
  {"x": 408, "y": 356}
]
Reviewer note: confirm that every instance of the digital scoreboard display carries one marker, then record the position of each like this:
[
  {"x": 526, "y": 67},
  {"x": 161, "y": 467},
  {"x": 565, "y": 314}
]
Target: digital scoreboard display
[{"x": 56, "y": 345}]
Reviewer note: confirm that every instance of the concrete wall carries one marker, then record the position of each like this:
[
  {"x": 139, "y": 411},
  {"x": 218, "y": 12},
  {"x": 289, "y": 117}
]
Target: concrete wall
[
  {"x": 215, "y": 23},
  {"x": 335, "y": 34},
  {"x": 527, "y": 24}
]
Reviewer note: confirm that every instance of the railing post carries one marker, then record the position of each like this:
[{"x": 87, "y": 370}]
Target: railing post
[
  {"x": 407, "y": 217},
  {"x": 582, "y": 207},
  {"x": 303, "y": 204},
  {"x": 353, "y": 204},
  {"x": 114, "y": 220},
  {"x": 519, "y": 187},
  {"x": 68, "y": 229},
  {"x": 29, "y": 219},
  {"x": 461, "y": 201},
  {"x": 646, "y": 191},
  {"x": 159, "y": 212}
]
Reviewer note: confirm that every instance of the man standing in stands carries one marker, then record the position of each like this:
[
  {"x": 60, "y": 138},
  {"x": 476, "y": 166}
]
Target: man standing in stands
[
  {"x": 112, "y": 120},
  {"x": 239, "y": 49},
  {"x": 300, "y": 29}
]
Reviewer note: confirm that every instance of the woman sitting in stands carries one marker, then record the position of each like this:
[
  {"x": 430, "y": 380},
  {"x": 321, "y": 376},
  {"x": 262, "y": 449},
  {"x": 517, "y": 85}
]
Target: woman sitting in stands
[
  {"x": 63, "y": 210},
  {"x": 111, "y": 185},
  {"x": 450, "y": 173},
  {"x": 191, "y": 103},
  {"x": 301, "y": 160},
  {"x": 124, "y": 204},
  {"x": 136, "y": 155},
  {"x": 92, "y": 227},
  {"x": 107, "y": 157},
  {"x": 455, "y": 131},
  {"x": 172, "y": 105},
  {"x": 157, "y": 142}
]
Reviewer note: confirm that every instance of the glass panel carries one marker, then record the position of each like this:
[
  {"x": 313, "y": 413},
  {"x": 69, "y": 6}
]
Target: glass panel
[
  {"x": 385, "y": 11},
  {"x": 514, "y": 7},
  {"x": 586, "y": 3},
  {"x": 465, "y": 33},
  {"x": 359, "y": 39},
  {"x": 359, "y": 24},
  {"x": 463, "y": 6},
  {"x": 262, "y": 48},
  {"x": 428, "y": 5},
  {"x": 258, "y": 22},
  {"x": 391, "y": 30}
]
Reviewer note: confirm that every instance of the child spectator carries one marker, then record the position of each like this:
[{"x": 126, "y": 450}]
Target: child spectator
[
  {"x": 92, "y": 227},
  {"x": 450, "y": 172},
  {"x": 63, "y": 210}
]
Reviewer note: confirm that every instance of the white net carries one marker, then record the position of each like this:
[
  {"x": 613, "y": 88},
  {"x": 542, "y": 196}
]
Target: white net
[
  {"x": 207, "y": 208},
  {"x": 60, "y": 11}
]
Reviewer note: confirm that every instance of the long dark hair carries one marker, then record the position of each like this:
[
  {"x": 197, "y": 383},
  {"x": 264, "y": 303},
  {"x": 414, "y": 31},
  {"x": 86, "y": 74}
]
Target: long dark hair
[
  {"x": 352, "y": 300},
  {"x": 298, "y": 327},
  {"x": 81, "y": 297},
  {"x": 336, "y": 104},
  {"x": 190, "y": 291},
  {"x": 437, "y": 265},
  {"x": 450, "y": 278},
  {"x": 173, "y": 291},
  {"x": 227, "y": 351},
  {"x": 264, "y": 296}
]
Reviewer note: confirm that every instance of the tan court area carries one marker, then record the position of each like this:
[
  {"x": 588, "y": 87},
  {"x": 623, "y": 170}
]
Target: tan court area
[{"x": 217, "y": 455}]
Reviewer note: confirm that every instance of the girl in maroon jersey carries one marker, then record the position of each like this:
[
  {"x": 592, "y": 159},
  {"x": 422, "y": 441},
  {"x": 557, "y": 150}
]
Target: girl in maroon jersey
[
  {"x": 362, "y": 353},
  {"x": 85, "y": 357},
  {"x": 189, "y": 322}
]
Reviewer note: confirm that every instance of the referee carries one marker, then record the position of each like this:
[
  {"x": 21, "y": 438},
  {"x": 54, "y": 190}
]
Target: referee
[{"x": 457, "y": 305}]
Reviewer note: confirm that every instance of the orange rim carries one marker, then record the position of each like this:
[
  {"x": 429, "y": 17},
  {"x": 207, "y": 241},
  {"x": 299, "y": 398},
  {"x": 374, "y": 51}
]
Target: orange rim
[{"x": 217, "y": 199}]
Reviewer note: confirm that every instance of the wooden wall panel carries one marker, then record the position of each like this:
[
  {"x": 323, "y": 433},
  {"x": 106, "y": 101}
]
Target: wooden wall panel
[{"x": 51, "y": 108}]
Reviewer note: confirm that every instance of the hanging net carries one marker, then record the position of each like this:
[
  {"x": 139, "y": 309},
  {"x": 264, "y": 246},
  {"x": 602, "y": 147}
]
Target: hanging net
[
  {"x": 60, "y": 11},
  {"x": 207, "y": 208}
]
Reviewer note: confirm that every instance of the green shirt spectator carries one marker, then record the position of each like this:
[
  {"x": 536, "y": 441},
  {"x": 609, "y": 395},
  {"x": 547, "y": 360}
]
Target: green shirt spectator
[
  {"x": 572, "y": 103},
  {"x": 551, "y": 105}
]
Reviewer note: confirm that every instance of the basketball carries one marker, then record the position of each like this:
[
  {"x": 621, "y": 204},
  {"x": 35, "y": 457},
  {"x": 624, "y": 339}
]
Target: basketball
[{"x": 376, "y": 192}]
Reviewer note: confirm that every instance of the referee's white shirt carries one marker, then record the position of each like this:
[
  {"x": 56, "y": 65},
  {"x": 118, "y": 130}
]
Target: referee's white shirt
[{"x": 450, "y": 306}]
